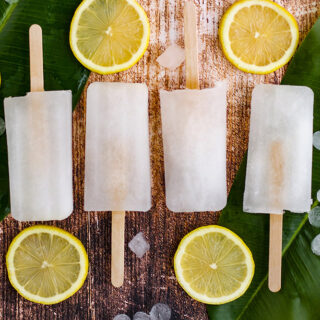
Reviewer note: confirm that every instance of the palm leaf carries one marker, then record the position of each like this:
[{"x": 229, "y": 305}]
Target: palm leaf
[
  {"x": 299, "y": 296},
  {"x": 61, "y": 70}
]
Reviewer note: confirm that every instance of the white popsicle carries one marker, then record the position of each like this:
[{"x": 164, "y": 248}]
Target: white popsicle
[
  {"x": 117, "y": 168},
  {"x": 279, "y": 161},
  {"x": 39, "y": 133},
  {"x": 194, "y": 137},
  {"x": 281, "y": 128}
]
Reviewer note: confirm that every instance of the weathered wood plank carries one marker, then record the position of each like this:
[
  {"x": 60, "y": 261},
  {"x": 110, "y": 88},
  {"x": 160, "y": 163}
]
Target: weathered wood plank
[{"x": 151, "y": 279}]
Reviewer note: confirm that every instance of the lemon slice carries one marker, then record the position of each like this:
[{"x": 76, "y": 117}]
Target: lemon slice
[
  {"x": 258, "y": 36},
  {"x": 109, "y": 36},
  {"x": 46, "y": 264},
  {"x": 213, "y": 265}
]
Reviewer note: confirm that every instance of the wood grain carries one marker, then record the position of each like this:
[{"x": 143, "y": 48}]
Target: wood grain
[
  {"x": 118, "y": 222},
  {"x": 190, "y": 27},
  {"x": 36, "y": 58},
  {"x": 275, "y": 252},
  {"x": 151, "y": 279},
  {"x": 276, "y": 160}
]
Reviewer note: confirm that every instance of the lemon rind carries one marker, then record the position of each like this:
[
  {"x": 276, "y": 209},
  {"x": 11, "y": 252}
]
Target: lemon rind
[
  {"x": 116, "y": 68},
  {"x": 202, "y": 297},
  {"x": 252, "y": 68},
  {"x": 84, "y": 264}
]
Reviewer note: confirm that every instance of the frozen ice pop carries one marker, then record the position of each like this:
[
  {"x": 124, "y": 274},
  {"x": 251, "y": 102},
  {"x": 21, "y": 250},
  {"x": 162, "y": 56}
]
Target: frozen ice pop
[
  {"x": 279, "y": 161},
  {"x": 280, "y": 150},
  {"x": 39, "y": 134},
  {"x": 117, "y": 167},
  {"x": 194, "y": 136}
]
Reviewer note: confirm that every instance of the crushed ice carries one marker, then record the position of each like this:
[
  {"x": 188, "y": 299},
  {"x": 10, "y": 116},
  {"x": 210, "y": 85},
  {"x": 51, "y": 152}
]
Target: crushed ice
[
  {"x": 160, "y": 311},
  {"x": 314, "y": 217},
  {"x": 316, "y": 140},
  {"x": 172, "y": 57},
  {"x": 315, "y": 245},
  {"x": 141, "y": 316},
  {"x": 139, "y": 245}
]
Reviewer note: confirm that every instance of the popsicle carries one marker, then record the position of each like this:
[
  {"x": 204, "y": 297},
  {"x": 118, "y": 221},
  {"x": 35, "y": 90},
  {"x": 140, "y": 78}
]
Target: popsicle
[
  {"x": 117, "y": 164},
  {"x": 194, "y": 136},
  {"x": 279, "y": 165},
  {"x": 39, "y": 133}
]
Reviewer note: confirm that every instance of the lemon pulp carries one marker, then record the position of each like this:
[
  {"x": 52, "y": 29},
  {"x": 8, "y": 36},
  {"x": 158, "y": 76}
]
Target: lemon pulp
[
  {"x": 109, "y": 36},
  {"x": 258, "y": 36},
  {"x": 213, "y": 265},
  {"x": 46, "y": 264}
]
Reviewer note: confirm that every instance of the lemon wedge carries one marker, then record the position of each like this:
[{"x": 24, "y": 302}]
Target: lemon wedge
[
  {"x": 213, "y": 265},
  {"x": 108, "y": 36},
  {"x": 258, "y": 36},
  {"x": 46, "y": 264}
]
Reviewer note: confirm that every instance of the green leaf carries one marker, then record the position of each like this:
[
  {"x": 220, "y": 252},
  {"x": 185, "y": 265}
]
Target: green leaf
[
  {"x": 299, "y": 296},
  {"x": 61, "y": 69}
]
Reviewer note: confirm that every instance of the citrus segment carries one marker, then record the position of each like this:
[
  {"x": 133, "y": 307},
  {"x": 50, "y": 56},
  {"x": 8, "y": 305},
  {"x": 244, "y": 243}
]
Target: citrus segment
[
  {"x": 109, "y": 36},
  {"x": 213, "y": 265},
  {"x": 46, "y": 264},
  {"x": 258, "y": 36}
]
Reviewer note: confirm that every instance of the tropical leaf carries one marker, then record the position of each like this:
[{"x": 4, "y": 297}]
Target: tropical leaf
[
  {"x": 299, "y": 296},
  {"x": 61, "y": 69}
]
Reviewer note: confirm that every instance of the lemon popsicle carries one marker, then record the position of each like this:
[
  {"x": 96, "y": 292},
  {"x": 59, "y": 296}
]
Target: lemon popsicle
[
  {"x": 279, "y": 165},
  {"x": 194, "y": 135},
  {"x": 39, "y": 133},
  {"x": 117, "y": 168},
  {"x": 117, "y": 164},
  {"x": 194, "y": 138},
  {"x": 280, "y": 150}
]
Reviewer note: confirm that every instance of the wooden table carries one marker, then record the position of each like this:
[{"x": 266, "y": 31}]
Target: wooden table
[{"x": 151, "y": 279}]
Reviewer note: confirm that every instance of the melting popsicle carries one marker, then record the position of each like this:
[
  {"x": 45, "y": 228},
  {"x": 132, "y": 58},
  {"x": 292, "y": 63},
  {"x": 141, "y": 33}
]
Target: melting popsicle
[
  {"x": 39, "y": 133},
  {"x": 117, "y": 167},
  {"x": 194, "y": 136},
  {"x": 279, "y": 165}
]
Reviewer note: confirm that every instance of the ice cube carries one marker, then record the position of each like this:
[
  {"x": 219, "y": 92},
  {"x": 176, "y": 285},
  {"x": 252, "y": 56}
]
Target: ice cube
[
  {"x": 316, "y": 140},
  {"x": 2, "y": 126},
  {"x": 314, "y": 217},
  {"x": 160, "y": 311},
  {"x": 172, "y": 57},
  {"x": 315, "y": 245},
  {"x": 318, "y": 195},
  {"x": 141, "y": 316},
  {"x": 121, "y": 317},
  {"x": 139, "y": 245}
]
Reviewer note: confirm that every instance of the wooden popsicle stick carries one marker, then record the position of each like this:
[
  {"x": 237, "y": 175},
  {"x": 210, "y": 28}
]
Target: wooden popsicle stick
[
  {"x": 275, "y": 252},
  {"x": 275, "y": 238},
  {"x": 191, "y": 45},
  {"x": 117, "y": 248},
  {"x": 36, "y": 58}
]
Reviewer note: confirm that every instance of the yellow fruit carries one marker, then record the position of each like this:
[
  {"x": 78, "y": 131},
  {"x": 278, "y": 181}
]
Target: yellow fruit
[
  {"x": 46, "y": 264},
  {"x": 109, "y": 36},
  {"x": 213, "y": 265},
  {"x": 258, "y": 36}
]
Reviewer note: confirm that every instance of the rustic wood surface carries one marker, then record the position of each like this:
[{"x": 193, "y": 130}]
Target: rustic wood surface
[{"x": 151, "y": 279}]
